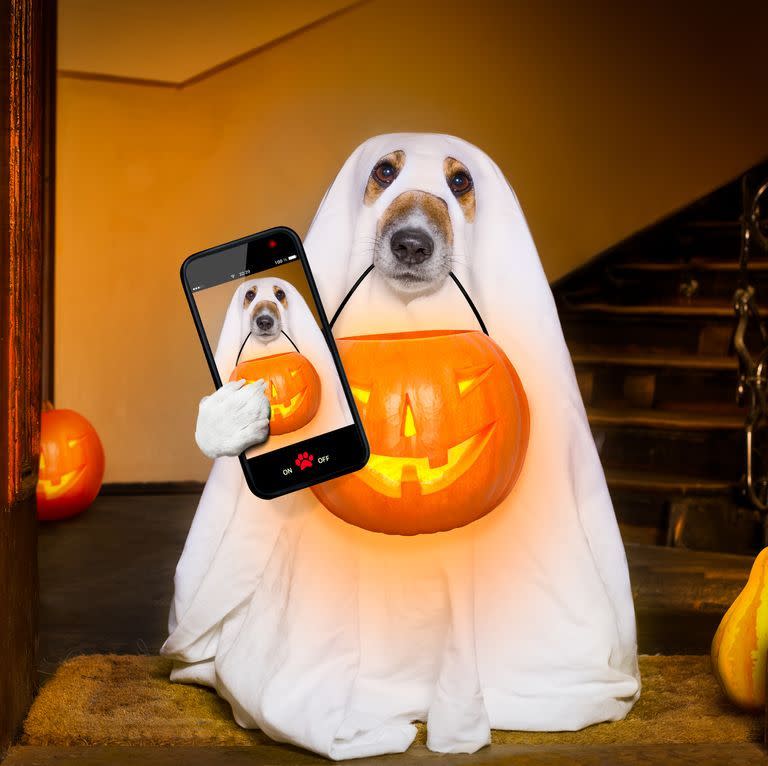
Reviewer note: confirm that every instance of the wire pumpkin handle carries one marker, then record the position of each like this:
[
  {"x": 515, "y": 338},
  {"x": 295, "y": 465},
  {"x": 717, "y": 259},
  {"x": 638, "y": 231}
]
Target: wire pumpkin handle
[{"x": 369, "y": 269}]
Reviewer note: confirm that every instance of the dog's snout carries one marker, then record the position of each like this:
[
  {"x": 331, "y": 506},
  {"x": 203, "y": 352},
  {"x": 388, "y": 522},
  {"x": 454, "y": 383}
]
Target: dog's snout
[
  {"x": 265, "y": 322},
  {"x": 411, "y": 246}
]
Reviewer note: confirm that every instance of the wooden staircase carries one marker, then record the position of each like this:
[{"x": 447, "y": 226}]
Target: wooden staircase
[{"x": 650, "y": 326}]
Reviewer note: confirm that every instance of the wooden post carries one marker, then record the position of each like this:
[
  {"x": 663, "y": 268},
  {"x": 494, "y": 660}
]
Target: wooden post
[{"x": 22, "y": 77}]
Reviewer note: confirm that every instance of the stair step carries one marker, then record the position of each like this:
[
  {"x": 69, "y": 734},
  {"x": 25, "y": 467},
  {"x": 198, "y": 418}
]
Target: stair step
[
  {"x": 694, "y": 282},
  {"x": 682, "y": 421},
  {"x": 682, "y": 383},
  {"x": 713, "y": 224},
  {"x": 685, "y": 308},
  {"x": 696, "y": 264},
  {"x": 706, "y": 231},
  {"x": 668, "y": 446},
  {"x": 640, "y": 335},
  {"x": 652, "y": 266},
  {"x": 716, "y": 239},
  {"x": 672, "y": 361},
  {"x": 644, "y": 500},
  {"x": 667, "y": 484}
]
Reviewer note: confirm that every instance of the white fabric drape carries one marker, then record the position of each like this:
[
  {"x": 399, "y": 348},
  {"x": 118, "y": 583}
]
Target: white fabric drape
[{"x": 336, "y": 639}]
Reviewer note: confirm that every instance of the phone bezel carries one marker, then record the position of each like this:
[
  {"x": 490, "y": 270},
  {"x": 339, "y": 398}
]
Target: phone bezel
[{"x": 250, "y": 465}]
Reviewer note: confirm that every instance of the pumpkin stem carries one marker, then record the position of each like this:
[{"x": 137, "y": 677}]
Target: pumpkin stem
[{"x": 47, "y": 405}]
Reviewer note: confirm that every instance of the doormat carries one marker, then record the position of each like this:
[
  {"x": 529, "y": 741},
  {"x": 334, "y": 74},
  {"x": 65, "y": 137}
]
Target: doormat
[{"x": 112, "y": 699}]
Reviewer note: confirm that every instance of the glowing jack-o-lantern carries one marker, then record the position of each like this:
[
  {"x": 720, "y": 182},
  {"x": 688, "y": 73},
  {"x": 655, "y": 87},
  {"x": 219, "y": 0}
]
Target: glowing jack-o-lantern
[
  {"x": 71, "y": 465},
  {"x": 447, "y": 420},
  {"x": 293, "y": 388}
]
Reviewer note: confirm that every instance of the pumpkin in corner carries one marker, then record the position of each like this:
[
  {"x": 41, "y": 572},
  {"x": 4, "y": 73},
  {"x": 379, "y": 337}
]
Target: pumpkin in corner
[
  {"x": 71, "y": 464},
  {"x": 740, "y": 644}
]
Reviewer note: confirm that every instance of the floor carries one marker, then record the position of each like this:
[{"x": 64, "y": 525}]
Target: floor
[
  {"x": 497, "y": 755},
  {"x": 106, "y": 583},
  {"x": 106, "y": 579}
]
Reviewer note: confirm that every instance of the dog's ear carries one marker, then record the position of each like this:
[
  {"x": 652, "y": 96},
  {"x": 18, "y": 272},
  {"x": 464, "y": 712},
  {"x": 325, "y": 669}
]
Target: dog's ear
[
  {"x": 233, "y": 333},
  {"x": 329, "y": 241},
  {"x": 291, "y": 316}
]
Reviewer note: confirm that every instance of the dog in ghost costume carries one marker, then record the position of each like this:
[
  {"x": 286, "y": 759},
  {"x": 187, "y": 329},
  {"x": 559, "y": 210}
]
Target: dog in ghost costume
[
  {"x": 337, "y": 639},
  {"x": 265, "y": 316}
]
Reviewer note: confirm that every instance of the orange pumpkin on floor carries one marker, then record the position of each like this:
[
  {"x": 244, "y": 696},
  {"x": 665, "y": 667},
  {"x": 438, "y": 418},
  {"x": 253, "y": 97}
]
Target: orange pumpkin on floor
[
  {"x": 447, "y": 420},
  {"x": 293, "y": 388},
  {"x": 71, "y": 465},
  {"x": 740, "y": 645}
]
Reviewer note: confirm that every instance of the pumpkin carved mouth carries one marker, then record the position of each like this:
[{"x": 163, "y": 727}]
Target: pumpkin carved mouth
[
  {"x": 71, "y": 464},
  {"x": 390, "y": 475},
  {"x": 59, "y": 485},
  {"x": 55, "y": 489},
  {"x": 284, "y": 410}
]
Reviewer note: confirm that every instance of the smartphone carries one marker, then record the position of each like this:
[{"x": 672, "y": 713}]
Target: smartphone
[{"x": 259, "y": 317}]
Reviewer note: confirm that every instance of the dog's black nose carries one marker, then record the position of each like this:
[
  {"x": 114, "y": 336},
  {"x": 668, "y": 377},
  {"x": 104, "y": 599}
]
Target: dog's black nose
[
  {"x": 411, "y": 246},
  {"x": 265, "y": 322}
]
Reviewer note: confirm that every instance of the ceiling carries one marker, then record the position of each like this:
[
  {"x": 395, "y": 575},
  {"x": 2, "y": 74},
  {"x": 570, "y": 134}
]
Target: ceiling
[{"x": 174, "y": 40}]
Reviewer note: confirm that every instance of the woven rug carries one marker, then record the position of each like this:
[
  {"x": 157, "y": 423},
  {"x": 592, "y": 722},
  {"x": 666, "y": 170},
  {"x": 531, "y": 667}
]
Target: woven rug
[{"x": 128, "y": 700}]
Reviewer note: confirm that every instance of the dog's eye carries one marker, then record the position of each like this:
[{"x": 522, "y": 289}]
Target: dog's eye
[
  {"x": 384, "y": 173},
  {"x": 250, "y": 295},
  {"x": 279, "y": 294},
  {"x": 460, "y": 182}
]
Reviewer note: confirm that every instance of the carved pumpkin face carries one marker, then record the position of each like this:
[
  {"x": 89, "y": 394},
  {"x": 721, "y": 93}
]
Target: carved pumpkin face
[
  {"x": 71, "y": 465},
  {"x": 447, "y": 420},
  {"x": 293, "y": 388}
]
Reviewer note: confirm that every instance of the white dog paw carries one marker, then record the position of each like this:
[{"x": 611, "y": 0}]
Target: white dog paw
[{"x": 232, "y": 419}]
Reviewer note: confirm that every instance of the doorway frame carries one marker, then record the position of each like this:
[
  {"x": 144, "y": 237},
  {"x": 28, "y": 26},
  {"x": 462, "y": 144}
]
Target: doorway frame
[{"x": 27, "y": 74}]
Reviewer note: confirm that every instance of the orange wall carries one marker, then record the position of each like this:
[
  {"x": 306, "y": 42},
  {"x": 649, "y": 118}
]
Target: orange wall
[{"x": 603, "y": 120}]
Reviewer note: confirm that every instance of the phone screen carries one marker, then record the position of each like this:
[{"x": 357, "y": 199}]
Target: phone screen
[{"x": 259, "y": 318}]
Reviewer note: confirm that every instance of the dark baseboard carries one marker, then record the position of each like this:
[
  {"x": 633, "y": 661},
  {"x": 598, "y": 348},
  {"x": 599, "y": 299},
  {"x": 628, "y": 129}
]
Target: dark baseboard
[{"x": 152, "y": 488}]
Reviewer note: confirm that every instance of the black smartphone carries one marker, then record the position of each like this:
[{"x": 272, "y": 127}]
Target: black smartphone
[{"x": 259, "y": 317}]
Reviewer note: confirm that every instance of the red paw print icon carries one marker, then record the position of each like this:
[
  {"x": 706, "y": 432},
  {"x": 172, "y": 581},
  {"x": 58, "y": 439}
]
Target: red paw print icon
[{"x": 304, "y": 460}]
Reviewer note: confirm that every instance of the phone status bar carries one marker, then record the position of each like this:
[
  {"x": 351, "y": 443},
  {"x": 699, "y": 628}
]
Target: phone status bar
[
  {"x": 278, "y": 261},
  {"x": 212, "y": 276}
]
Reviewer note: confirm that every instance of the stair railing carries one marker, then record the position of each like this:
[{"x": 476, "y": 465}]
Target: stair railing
[{"x": 752, "y": 388}]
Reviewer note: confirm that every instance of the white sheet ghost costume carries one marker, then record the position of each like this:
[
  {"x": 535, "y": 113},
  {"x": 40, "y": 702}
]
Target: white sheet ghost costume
[
  {"x": 337, "y": 639},
  {"x": 297, "y": 330}
]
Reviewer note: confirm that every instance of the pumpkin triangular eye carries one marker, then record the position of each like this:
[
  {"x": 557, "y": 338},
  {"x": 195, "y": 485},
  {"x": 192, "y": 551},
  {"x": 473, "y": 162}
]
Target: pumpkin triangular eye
[
  {"x": 360, "y": 391},
  {"x": 469, "y": 377},
  {"x": 274, "y": 390},
  {"x": 409, "y": 426}
]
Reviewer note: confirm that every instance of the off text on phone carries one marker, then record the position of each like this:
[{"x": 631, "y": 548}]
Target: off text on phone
[{"x": 304, "y": 460}]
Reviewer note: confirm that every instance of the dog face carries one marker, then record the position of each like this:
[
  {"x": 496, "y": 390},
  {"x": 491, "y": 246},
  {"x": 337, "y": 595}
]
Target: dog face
[
  {"x": 414, "y": 244},
  {"x": 264, "y": 301}
]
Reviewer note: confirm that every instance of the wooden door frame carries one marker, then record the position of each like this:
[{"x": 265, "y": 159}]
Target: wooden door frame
[
  {"x": 25, "y": 26},
  {"x": 49, "y": 53}
]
